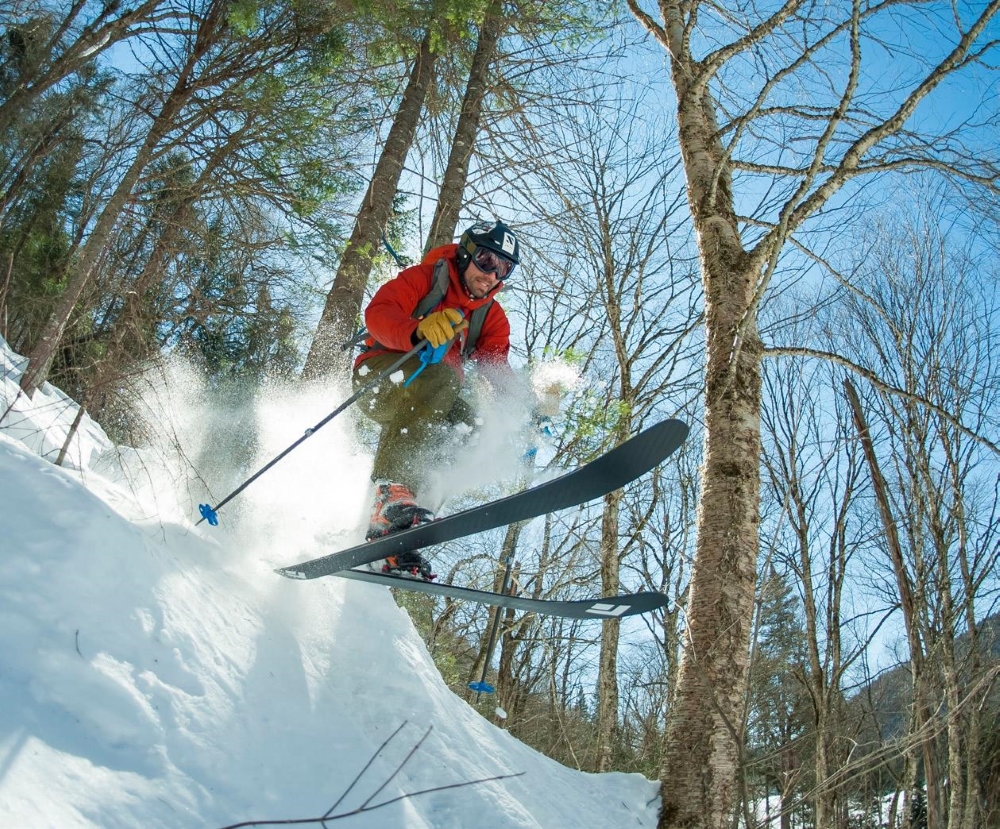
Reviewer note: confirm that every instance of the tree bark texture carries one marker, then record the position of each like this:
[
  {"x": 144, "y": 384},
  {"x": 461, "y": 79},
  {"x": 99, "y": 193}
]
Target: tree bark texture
[
  {"x": 703, "y": 742},
  {"x": 456, "y": 173},
  {"x": 699, "y": 780},
  {"x": 343, "y": 303},
  {"x": 607, "y": 681}
]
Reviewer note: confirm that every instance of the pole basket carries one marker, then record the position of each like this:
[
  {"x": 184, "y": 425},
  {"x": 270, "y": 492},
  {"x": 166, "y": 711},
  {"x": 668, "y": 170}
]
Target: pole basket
[{"x": 209, "y": 514}]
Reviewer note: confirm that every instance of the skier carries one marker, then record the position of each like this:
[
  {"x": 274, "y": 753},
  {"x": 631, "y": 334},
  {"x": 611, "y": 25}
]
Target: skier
[{"x": 446, "y": 300}]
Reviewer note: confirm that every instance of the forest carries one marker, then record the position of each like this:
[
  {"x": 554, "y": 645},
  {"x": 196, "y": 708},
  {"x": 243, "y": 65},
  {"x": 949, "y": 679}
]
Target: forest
[{"x": 778, "y": 222}]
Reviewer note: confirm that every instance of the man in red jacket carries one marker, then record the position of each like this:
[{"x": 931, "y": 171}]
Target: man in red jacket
[{"x": 413, "y": 417}]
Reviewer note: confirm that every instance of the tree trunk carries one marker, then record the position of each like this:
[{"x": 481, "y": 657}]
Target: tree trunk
[
  {"x": 74, "y": 427},
  {"x": 508, "y": 693},
  {"x": 823, "y": 656},
  {"x": 699, "y": 780},
  {"x": 480, "y": 667},
  {"x": 82, "y": 268},
  {"x": 972, "y": 732},
  {"x": 457, "y": 172},
  {"x": 703, "y": 741},
  {"x": 607, "y": 679},
  {"x": 343, "y": 303},
  {"x": 921, "y": 715}
]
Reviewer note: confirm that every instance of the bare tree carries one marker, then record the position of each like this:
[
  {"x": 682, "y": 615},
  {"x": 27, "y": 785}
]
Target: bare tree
[
  {"x": 738, "y": 73},
  {"x": 815, "y": 533},
  {"x": 928, "y": 322},
  {"x": 666, "y": 512},
  {"x": 614, "y": 197}
]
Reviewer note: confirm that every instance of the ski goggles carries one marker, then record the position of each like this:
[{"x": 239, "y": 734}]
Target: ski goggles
[{"x": 489, "y": 261}]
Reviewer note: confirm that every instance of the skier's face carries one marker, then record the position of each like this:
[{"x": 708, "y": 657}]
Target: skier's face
[{"x": 479, "y": 282}]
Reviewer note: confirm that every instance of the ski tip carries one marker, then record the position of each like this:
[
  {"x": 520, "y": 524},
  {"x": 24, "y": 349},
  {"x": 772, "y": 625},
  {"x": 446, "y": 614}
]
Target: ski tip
[
  {"x": 678, "y": 428},
  {"x": 290, "y": 573}
]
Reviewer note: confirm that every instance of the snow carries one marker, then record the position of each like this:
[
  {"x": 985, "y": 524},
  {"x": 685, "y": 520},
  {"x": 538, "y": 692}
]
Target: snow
[
  {"x": 550, "y": 381},
  {"x": 157, "y": 673}
]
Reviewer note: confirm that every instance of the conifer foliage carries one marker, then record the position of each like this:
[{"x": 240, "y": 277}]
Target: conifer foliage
[{"x": 159, "y": 195}]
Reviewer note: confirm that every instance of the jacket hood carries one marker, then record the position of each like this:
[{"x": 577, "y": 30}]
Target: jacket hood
[{"x": 440, "y": 252}]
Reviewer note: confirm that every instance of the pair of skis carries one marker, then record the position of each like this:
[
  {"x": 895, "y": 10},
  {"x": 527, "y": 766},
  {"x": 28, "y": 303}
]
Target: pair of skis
[{"x": 596, "y": 479}]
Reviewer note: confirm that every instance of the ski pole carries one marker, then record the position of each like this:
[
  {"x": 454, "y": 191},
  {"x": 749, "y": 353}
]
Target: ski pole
[
  {"x": 428, "y": 357},
  {"x": 209, "y": 513},
  {"x": 399, "y": 259},
  {"x": 482, "y": 686}
]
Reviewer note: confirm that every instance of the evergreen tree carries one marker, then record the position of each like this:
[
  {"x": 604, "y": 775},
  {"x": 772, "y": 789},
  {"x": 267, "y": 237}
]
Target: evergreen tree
[{"x": 778, "y": 700}]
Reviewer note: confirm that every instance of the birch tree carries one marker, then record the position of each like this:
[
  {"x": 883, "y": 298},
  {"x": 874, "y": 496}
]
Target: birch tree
[{"x": 782, "y": 114}]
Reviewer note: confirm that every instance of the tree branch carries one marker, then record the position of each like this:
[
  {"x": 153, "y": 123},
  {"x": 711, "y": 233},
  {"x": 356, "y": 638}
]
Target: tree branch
[{"x": 881, "y": 385}]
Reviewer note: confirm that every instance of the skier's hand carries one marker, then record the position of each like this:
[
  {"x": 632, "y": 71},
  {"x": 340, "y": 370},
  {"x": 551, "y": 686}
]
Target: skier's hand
[
  {"x": 441, "y": 326},
  {"x": 547, "y": 401}
]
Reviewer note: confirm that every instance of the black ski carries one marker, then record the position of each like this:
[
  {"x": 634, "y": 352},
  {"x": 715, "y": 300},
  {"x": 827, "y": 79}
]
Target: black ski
[
  {"x": 613, "y": 607},
  {"x": 607, "y": 473}
]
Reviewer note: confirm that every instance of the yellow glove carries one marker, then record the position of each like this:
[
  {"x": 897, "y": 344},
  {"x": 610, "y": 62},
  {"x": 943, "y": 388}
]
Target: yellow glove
[{"x": 439, "y": 327}]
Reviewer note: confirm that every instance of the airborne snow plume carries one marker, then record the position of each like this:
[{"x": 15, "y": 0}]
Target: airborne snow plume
[
  {"x": 506, "y": 434},
  {"x": 158, "y": 674}
]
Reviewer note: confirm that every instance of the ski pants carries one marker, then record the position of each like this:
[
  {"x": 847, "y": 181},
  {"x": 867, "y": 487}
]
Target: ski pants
[{"x": 414, "y": 418}]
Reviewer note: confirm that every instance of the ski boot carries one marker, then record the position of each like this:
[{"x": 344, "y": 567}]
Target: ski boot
[
  {"x": 410, "y": 563},
  {"x": 396, "y": 509}
]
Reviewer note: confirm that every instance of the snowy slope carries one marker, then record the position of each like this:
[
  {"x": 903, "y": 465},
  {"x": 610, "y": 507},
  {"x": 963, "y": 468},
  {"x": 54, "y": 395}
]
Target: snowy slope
[{"x": 158, "y": 674}]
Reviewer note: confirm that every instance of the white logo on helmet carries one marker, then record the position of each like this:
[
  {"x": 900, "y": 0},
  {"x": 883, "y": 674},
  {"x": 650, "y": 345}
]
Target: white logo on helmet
[{"x": 509, "y": 244}]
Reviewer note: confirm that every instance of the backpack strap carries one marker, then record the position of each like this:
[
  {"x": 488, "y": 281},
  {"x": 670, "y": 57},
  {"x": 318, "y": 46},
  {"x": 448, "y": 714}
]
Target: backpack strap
[
  {"x": 438, "y": 290},
  {"x": 476, "y": 320}
]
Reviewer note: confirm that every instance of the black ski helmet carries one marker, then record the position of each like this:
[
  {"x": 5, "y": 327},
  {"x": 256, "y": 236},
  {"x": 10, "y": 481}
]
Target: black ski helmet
[{"x": 496, "y": 237}]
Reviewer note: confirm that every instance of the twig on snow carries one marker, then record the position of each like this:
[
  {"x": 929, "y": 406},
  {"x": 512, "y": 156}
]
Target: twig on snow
[{"x": 367, "y": 805}]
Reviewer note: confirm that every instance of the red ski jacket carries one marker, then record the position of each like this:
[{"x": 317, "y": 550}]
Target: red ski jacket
[{"x": 390, "y": 323}]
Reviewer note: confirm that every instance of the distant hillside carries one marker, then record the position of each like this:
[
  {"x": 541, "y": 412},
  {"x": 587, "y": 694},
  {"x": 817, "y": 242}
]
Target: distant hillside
[{"x": 884, "y": 703}]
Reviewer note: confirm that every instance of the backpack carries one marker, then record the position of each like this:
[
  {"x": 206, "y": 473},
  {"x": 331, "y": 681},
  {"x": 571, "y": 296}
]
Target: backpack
[{"x": 434, "y": 297}]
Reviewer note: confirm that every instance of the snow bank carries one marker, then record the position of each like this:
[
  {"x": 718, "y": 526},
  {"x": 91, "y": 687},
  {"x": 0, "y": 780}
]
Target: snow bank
[{"x": 158, "y": 674}]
